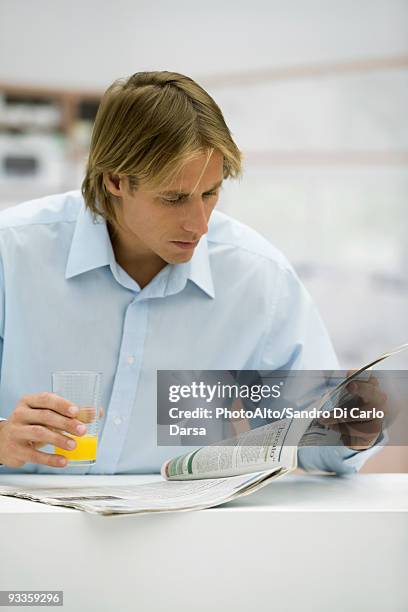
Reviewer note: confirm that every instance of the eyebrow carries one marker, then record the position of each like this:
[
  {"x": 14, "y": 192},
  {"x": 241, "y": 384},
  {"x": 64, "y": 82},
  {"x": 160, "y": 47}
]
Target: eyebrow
[{"x": 180, "y": 193}]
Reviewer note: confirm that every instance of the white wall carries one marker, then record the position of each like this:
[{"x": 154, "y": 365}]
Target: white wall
[{"x": 89, "y": 43}]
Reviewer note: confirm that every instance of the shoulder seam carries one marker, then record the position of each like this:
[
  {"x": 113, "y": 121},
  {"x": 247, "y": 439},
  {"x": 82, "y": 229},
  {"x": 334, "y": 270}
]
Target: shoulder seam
[
  {"x": 36, "y": 224},
  {"x": 279, "y": 262}
]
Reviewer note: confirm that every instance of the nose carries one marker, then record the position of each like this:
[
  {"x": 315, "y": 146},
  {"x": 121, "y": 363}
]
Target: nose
[{"x": 196, "y": 220}]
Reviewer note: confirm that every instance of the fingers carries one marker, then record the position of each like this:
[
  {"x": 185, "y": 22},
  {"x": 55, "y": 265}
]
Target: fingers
[
  {"x": 345, "y": 419},
  {"x": 361, "y": 428},
  {"x": 52, "y": 402},
  {"x": 368, "y": 403},
  {"x": 39, "y": 434},
  {"x": 358, "y": 444},
  {"x": 53, "y": 420},
  {"x": 356, "y": 434},
  {"x": 369, "y": 392},
  {"x": 360, "y": 436},
  {"x": 16, "y": 450},
  {"x": 36, "y": 456},
  {"x": 361, "y": 414},
  {"x": 86, "y": 414}
]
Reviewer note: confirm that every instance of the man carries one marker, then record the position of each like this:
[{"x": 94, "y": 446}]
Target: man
[{"x": 139, "y": 273}]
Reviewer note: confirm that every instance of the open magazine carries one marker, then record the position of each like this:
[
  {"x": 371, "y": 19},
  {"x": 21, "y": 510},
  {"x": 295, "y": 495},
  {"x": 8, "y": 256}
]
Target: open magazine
[{"x": 205, "y": 477}]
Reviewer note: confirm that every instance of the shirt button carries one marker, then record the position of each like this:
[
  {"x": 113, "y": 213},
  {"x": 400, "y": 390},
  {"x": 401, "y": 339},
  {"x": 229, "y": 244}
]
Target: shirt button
[
  {"x": 117, "y": 420},
  {"x": 130, "y": 359}
]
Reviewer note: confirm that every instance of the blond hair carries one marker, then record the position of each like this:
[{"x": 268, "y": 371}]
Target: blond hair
[{"x": 147, "y": 127}]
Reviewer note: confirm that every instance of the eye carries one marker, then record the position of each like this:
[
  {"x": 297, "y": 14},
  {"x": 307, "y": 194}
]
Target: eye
[
  {"x": 173, "y": 201},
  {"x": 183, "y": 198}
]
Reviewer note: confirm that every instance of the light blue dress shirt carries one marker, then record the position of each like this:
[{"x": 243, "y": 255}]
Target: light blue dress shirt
[{"x": 66, "y": 304}]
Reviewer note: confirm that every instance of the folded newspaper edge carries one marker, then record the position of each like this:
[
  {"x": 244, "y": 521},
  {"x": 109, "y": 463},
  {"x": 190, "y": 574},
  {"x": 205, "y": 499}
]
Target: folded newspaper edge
[{"x": 152, "y": 497}]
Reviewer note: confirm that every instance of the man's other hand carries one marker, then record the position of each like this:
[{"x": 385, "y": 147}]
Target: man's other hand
[{"x": 360, "y": 431}]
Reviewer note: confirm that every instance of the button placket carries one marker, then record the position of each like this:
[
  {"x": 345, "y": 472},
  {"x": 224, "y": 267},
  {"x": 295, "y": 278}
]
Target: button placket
[{"x": 125, "y": 385}]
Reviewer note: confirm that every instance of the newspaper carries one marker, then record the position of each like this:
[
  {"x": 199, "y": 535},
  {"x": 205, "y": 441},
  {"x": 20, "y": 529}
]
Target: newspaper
[
  {"x": 205, "y": 477},
  {"x": 263, "y": 448},
  {"x": 161, "y": 496},
  {"x": 267, "y": 461}
]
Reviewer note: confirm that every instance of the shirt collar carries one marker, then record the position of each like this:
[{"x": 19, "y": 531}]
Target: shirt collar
[
  {"x": 199, "y": 268},
  {"x": 91, "y": 248}
]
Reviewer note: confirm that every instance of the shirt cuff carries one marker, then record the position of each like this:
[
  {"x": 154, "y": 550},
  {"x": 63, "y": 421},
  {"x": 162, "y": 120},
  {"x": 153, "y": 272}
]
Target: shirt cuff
[{"x": 337, "y": 459}]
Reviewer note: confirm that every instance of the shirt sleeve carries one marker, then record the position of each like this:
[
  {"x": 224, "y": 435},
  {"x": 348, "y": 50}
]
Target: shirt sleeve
[
  {"x": 2, "y": 299},
  {"x": 336, "y": 459},
  {"x": 297, "y": 339},
  {"x": 1, "y": 324}
]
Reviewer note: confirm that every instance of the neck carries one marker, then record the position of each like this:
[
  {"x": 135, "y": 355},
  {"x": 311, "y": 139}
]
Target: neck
[{"x": 141, "y": 265}]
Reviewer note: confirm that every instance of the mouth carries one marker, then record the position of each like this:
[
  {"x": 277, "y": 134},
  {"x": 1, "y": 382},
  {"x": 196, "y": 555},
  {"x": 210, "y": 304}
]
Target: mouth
[{"x": 185, "y": 245}]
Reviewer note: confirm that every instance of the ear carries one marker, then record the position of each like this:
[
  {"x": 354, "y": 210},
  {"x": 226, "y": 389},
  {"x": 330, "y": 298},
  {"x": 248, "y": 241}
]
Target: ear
[{"x": 113, "y": 183}]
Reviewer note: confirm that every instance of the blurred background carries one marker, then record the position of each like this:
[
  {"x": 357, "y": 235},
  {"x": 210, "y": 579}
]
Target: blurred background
[{"x": 315, "y": 93}]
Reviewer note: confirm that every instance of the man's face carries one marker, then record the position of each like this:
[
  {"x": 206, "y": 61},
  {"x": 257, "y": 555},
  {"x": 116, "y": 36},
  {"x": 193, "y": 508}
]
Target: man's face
[{"x": 169, "y": 223}]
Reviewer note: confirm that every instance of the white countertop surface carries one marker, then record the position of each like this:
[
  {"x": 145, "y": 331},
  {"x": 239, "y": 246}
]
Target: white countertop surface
[{"x": 309, "y": 543}]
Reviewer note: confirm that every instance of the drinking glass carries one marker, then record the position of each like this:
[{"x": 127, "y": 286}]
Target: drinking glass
[{"x": 83, "y": 389}]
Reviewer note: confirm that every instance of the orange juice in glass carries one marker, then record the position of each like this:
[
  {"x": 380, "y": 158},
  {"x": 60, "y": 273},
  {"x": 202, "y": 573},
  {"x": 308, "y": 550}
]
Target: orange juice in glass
[{"x": 82, "y": 388}]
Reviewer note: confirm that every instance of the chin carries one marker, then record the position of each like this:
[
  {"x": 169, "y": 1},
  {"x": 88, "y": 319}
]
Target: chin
[{"x": 181, "y": 258}]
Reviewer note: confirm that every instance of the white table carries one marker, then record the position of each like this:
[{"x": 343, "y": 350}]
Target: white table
[{"x": 303, "y": 543}]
